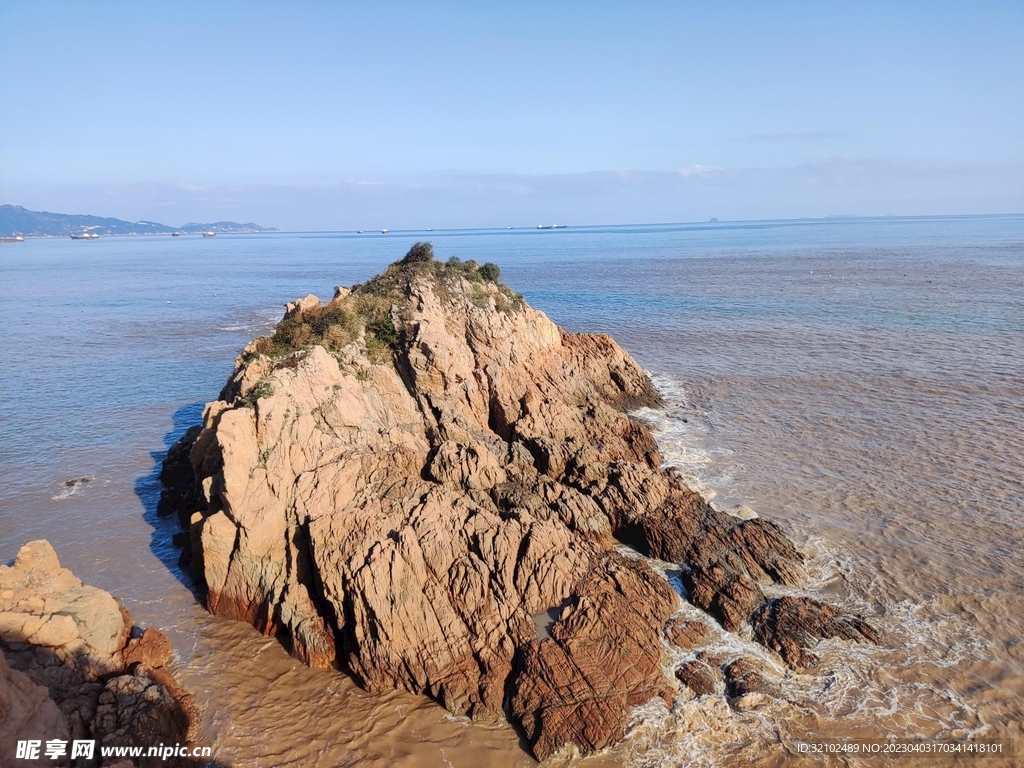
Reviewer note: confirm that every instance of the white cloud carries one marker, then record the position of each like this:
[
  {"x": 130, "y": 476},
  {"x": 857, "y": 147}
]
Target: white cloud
[{"x": 700, "y": 171}]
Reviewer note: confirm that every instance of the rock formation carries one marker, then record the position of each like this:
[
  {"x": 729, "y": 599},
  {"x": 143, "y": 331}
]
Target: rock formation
[
  {"x": 74, "y": 667},
  {"x": 699, "y": 676},
  {"x": 686, "y": 634},
  {"x": 398, "y": 481},
  {"x": 26, "y": 711},
  {"x": 791, "y": 625}
]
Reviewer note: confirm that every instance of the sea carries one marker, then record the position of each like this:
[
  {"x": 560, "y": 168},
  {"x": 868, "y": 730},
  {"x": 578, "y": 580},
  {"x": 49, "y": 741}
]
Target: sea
[{"x": 860, "y": 381}]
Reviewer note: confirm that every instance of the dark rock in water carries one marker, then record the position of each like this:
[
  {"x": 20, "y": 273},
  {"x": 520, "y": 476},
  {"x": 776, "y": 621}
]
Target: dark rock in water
[
  {"x": 151, "y": 649},
  {"x": 730, "y": 558},
  {"x": 745, "y": 676},
  {"x": 699, "y": 676},
  {"x": 400, "y": 479},
  {"x": 687, "y": 634},
  {"x": 792, "y": 625}
]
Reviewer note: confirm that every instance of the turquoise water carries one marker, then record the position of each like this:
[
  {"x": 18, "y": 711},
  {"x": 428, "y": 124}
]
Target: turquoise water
[{"x": 861, "y": 380}]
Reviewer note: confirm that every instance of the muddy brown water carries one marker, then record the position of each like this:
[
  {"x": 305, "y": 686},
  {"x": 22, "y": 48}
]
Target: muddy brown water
[{"x": 861, "y": 382}]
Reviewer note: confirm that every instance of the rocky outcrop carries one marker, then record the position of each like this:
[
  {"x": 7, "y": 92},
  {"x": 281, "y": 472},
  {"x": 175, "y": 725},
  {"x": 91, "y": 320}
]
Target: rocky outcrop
[
  {"x": 74, "y": 666},
  {"x": 792, "y": 625},
  {"x": 399, "y": 480}
]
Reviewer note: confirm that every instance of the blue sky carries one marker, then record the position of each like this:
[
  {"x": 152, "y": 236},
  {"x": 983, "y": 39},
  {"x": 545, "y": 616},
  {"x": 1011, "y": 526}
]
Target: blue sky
[{"x": 336, "y": 116}]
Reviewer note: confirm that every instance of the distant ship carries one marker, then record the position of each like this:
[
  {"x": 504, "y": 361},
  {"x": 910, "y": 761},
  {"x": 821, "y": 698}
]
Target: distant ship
[
  {"x": 383, "y": 231},
  {"x": 209, "y": 234},
  {"x": 359, "y": 232},
  {"x": 86, "y": 236},
  {"x": 15, "y": 239},
  {"x": 175, "y": 234}
]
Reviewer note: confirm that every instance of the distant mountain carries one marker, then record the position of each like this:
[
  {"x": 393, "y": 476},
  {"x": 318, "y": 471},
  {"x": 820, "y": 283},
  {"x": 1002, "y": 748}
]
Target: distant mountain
[{"x": 15, "y": 220}]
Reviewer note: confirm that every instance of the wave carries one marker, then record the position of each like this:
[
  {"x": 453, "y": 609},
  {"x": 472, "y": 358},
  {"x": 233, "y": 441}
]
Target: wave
[{"x": 900, "y": 688}]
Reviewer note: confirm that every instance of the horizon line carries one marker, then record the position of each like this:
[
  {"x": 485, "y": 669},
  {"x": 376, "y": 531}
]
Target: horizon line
[
  {"x": 383, "y": 231},
  {"x": 548, "y": 227}
]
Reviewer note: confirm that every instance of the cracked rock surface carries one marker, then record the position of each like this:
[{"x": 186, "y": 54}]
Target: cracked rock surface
[
  {"x": 74, "y": 667},
  {"x": 406, "y": 518}
]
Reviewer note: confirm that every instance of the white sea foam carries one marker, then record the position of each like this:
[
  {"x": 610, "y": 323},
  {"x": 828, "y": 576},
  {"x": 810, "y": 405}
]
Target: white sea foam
[
  {"x": 65, "y": 493},
  {"x": 70, "y": 487},
  {"x": 259, "y": 323},
  {"x": 682, "y": 430},
  {"x": 856, "y": 686}
]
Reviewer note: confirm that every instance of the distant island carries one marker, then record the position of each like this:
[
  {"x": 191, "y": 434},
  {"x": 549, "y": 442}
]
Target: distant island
[{"x": 15, "y": 220}]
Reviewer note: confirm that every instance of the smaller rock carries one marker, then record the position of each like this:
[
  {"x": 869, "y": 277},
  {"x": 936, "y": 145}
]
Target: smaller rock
[
  {"x": 685, "y": 633},
  {"x": 153, "y": 649},
  {"x": 750, "y": 701},
  {"x": 26, "y": 711},
  {"x": 714, "y": 659},
  {"x": 69, "y": 647},
  {"x": 745, "y": 676},
  {"x": 792, "y": 625},
  {"x": 726, "y": 594},
  {"x": 293, "y": 308},
  {"x": 700, "y": 677}
]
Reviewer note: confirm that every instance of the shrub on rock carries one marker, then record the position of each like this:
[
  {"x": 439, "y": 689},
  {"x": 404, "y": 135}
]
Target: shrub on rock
[
  {"x": 490, "y": 272},
  {"x": 419, "y": 253}
]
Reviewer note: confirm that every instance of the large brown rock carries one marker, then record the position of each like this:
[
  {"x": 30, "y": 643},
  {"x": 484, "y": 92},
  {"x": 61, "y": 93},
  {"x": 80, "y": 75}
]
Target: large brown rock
[
  {"x": 399, "y": 480},
  {"x": 77, "y": 667}
]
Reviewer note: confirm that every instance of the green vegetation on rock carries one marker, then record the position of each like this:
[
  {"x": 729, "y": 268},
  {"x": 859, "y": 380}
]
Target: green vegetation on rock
[
  {"x": 369, "y": 311},
  {"x": 262, "y": 389}
]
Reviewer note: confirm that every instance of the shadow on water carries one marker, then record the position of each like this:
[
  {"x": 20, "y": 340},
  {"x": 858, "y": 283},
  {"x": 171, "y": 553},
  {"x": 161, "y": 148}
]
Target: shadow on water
[{"x": 148, "y": 489}]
